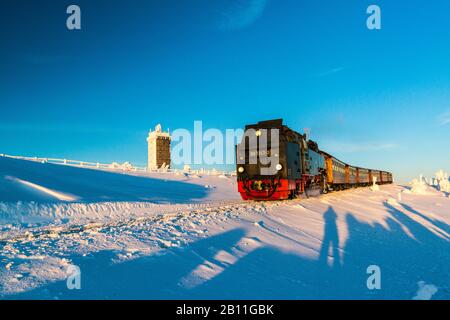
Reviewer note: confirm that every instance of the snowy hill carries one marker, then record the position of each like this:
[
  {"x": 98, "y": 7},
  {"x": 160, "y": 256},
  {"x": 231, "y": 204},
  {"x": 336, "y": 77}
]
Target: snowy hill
[
  {"x": 39, "y": 192},
  {"x": 170, "y": 236},
  {"x": 43, "y": 182}
]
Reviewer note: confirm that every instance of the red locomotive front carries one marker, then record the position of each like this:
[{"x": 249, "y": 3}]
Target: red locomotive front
[{"x": 275, "y": 163}]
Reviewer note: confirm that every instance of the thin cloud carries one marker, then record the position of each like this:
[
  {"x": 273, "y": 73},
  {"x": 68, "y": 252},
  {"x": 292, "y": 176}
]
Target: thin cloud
[
  {"x": 360, "y": 147},
  {"x": 329, "y": 72},
  {"x": 243, "y": 14},
  {"x": 444, "y": 118}
]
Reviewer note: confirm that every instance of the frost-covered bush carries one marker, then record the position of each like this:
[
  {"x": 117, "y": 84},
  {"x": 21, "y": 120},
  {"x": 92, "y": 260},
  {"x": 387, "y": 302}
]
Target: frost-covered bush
[
  {"x": 442, "y": 181},
  {"x": 374, "y": 186},
  {"x": 418, "y": 186},
  {"x": 126, "y": 166},
  {"x": 114, "y": 165}
]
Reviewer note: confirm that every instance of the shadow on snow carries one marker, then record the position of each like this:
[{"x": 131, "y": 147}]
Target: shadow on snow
[{"x": 268, "y": 273}]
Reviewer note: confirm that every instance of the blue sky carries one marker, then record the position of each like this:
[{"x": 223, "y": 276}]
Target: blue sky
[{"x": 373, "y": 98}]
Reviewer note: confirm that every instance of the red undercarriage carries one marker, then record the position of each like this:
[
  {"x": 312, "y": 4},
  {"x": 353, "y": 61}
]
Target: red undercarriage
[{"x": 278, "y": 189}]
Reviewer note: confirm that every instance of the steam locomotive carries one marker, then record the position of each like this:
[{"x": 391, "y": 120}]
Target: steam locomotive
[{"x": 277, "y": 163}]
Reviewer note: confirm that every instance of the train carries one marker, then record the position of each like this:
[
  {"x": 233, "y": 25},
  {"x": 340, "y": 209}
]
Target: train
[{"x": 300, "y": 166}]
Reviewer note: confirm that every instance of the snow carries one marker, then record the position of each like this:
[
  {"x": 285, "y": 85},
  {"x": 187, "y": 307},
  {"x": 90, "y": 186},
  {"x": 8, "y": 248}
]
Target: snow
[
  {"x": 32, "y": 192},
  {"x": 162, "y": 235}
]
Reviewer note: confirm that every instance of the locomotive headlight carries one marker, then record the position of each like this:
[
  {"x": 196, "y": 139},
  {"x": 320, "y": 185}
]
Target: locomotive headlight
[
  {"x": 279, "y": 167},
  {"x": 241, "y": 169},
  {"x": 259, "y": 133}
]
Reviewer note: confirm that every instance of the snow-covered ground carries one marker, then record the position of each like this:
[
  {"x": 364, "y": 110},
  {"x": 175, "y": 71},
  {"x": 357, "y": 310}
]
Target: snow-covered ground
[{"x": 156, "y": 236}]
